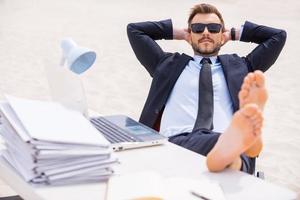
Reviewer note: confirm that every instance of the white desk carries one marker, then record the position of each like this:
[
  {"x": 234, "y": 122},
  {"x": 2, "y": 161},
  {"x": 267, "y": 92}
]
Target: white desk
[{"x": 169, "y": 160}]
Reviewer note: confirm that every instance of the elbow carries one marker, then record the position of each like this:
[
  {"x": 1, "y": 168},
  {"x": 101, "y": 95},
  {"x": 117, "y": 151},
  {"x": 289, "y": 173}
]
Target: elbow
[
  {"x": 132, "y": 30},
  {"x": 132, "y": 27},
  {"x": 282, "y": 37},
  {"x": 283, "y": 34},
  {"x": 129, "y": 28}
]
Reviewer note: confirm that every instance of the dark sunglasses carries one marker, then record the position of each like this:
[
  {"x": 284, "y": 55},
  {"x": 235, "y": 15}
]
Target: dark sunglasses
[{"x": 212, "y": 27}]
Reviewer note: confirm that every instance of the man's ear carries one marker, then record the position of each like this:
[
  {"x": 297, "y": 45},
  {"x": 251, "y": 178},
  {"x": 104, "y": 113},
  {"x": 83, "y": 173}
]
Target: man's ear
[
  {"x": 223, "y": 38},
  {"x": 189, "y": 37}
]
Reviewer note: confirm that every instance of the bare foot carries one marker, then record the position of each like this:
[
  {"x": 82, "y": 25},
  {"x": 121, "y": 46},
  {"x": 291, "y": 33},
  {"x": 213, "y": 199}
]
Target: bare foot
[
  {"x": 255, "y": 149},
  {"x": 244, "y": 130},
  {"x": 253, "y": 91}
]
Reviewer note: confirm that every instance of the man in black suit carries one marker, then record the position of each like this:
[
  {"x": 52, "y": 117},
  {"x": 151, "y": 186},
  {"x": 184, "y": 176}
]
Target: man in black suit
[{"x": 174, "y": 96}]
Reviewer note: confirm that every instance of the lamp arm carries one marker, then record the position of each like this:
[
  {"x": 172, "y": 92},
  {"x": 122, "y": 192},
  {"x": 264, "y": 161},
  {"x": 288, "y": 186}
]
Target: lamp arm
[{"x": 62, "y": 61}]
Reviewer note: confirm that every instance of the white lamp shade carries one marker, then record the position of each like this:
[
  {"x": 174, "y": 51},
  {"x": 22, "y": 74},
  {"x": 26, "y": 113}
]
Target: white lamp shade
[{"x": 78, "y": 59}]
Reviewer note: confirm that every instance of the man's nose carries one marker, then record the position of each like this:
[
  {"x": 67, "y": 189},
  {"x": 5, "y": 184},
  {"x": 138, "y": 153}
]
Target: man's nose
[{"x": 206, "y": 32}]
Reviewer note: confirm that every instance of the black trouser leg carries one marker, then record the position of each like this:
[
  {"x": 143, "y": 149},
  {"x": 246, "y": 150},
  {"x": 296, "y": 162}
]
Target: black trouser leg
[{"x": 202, "y": 141}]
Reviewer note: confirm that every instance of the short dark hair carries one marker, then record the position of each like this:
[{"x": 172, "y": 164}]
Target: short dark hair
[{"x": 204, "y": 8}]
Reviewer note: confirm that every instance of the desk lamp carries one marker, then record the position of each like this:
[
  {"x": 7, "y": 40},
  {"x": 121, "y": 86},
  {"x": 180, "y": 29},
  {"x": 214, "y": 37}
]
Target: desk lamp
[
  {"x": 64, "y": 81},
  {"x": 78, "y": 59}
]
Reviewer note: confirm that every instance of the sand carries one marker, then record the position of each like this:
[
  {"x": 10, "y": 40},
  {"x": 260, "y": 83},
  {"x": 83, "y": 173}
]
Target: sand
[{"x": 31, "y": 31}]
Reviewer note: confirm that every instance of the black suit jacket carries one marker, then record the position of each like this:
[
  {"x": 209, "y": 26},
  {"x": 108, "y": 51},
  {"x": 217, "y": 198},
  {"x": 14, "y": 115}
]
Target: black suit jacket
[{"x": 165, "y": 68}]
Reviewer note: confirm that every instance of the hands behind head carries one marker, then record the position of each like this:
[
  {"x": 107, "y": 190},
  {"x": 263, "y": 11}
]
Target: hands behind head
[
  {"x": 181, "y": 34},
  {"x": 226, "y": 36}
]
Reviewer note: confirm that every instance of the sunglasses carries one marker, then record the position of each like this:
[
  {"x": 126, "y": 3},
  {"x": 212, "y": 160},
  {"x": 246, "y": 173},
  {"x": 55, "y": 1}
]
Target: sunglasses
[{"x": 212, "y": 27}]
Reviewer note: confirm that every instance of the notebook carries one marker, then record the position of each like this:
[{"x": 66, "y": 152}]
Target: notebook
[
  {"x": 125, "y": 133},
  {"x": 151, "y": 185}
]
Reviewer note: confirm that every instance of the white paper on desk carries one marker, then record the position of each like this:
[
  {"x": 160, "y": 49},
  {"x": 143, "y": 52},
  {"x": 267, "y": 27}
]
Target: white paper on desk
[
  {"x": 81, "y": 179},
  {"x": 134, "y": 186},
  {"x": 61, "y": 146},
  {"x": 82, "y": 166},
  {"x": 50, "y": 121},
  {"x": 82, "y": 172},
  {"x": 151, "y": 184},
  {"x": 72, "y": 152},
  {"x": 205, "y": 188},
  {"x": 40, "y": 143},
  {"x": 70, "y": 162},
  {"x": 13, "y": 141},
  {"x": 20, "y": 169},
  {"x": 23, "y": 159},
  {"x": 11, "y": 118},
  {"x": 18, "y": 150}
]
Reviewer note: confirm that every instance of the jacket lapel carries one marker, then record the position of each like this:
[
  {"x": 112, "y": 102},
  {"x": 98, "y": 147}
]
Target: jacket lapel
[{"x": 234, "y": 71}]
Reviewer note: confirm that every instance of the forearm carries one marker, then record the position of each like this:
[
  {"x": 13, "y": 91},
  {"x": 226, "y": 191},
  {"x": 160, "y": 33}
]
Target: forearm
[
  {"x": 156, "y": 30},
  {"x": 179, "y": 34},
  {"x": 270, "y": 40},
  {"x": 259, "y": 33},
  {"x": 142, "y": 38}
]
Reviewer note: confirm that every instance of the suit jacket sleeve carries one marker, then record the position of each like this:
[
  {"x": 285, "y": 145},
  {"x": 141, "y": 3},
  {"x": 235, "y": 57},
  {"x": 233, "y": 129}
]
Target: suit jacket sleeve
[
  {"x": 271, "y": 42},
  {"x": 142, "y": 38}
]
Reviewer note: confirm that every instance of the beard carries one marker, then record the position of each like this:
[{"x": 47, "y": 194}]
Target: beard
[{"x": 206, "y": 52}]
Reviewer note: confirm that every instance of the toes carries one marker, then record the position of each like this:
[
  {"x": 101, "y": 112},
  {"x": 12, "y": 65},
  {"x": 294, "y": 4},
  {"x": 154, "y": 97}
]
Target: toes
[
  {"x": 255, "y": 78},
  {"x": 259, "y": 78},
  {"x": 246, "y": 86},
  {"x": 243, "y": 94},
  {"x": 250, "y": 110},
  {"x": 256, "y": 117},
  {"x": 247, "y": 82},
  {"x": 253, "y": 90},
  {"x": 247, "y": 79},
  {"x": 257, "y": 131},
  {"x": 256, "y": 120},
  {"x": 251, "y": 77}
]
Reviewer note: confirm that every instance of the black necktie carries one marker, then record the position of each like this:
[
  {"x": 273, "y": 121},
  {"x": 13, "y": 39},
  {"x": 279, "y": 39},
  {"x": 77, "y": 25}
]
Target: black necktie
[{"x": 204, "y": 118}]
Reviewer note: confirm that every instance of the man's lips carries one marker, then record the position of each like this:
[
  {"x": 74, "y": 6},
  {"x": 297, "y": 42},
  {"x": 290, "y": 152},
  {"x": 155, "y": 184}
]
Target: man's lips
[{"x": 206, "y": 40}]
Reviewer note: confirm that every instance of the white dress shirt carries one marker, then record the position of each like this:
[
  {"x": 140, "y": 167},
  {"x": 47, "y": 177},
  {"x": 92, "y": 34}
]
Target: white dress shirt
[{"x": 182, "y": 106}]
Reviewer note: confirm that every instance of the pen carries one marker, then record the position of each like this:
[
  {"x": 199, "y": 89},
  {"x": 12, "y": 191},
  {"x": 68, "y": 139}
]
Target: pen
[{"x": 199, "y": 195}]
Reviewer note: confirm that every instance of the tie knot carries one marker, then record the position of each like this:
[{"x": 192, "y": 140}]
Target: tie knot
[{"x": 205, "y": 61}]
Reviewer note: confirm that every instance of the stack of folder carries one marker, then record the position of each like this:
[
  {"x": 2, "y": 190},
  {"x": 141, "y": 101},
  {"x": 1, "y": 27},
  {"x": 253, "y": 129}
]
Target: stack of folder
[{"x": 47, "y": 143}]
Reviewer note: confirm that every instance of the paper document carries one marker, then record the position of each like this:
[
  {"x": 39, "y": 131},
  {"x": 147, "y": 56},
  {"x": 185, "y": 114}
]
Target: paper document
[
  {"x": 47, "y": 143},
  {"x": 47, "y": 121},
  {"x": 148, "y": 184}
]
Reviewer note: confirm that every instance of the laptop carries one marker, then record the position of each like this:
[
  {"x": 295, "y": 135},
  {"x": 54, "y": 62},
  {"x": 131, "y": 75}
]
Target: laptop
[
  {"x": 125, "y": 133},
  {"x": 121, "y": 131}
]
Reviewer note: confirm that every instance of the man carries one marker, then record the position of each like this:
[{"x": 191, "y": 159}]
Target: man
[{"x": 192, "y": 110}]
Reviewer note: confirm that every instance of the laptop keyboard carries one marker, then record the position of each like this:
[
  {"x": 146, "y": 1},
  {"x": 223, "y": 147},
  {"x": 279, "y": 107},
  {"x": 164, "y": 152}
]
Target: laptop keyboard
[{"x": 111, "y": 132}]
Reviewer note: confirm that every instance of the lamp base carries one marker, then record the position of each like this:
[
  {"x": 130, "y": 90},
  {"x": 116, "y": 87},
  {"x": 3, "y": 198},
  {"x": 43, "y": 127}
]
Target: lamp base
[{"x": 67, "y": 88}]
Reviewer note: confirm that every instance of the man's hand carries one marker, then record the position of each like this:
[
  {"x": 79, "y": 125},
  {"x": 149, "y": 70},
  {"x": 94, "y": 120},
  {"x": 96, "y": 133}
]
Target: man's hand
[
  {"x": 181, "y": 34},
  {"x": 227, "y": 35}
]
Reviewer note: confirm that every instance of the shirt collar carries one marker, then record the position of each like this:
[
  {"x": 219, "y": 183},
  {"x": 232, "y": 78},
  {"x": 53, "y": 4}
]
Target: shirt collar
[{"x": 213, "y": 59}]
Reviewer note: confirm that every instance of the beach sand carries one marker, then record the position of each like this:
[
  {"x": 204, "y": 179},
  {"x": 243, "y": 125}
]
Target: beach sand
[{"x": 31, "y": 31}]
